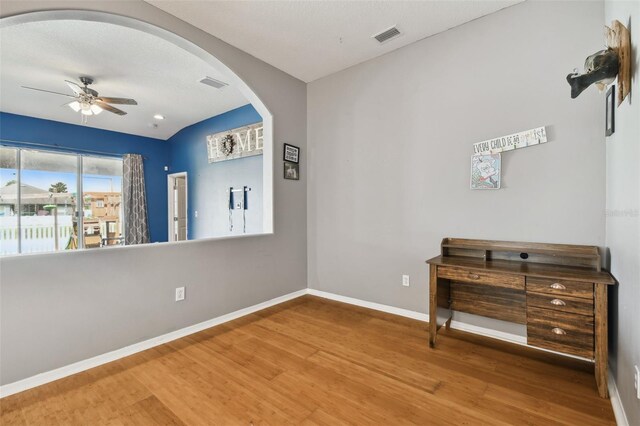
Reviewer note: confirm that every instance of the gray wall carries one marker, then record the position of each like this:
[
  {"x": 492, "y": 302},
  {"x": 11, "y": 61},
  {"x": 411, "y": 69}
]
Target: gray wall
[
  {"x": 390, "y": 143},
  {"x": 623, "y": 221},
  {"x": 59, "y": 308}
]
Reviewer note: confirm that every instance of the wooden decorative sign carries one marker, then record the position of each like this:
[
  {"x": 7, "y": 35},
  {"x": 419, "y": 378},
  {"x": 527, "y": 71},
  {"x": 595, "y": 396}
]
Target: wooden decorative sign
[
  {"x": 510, "y": 142},
  {"x": 242, "y": 142}
]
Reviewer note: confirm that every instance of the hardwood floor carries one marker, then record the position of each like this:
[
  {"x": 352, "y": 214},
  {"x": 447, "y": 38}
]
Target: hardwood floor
[{"x": 317, "y": 362}]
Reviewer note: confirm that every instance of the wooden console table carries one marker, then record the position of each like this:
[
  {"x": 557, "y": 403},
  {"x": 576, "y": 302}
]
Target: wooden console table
[{"x": 557, "y": 290}]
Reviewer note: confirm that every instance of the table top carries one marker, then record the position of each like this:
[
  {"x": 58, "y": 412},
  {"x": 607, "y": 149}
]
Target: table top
[{"x": 541, "y": 270}]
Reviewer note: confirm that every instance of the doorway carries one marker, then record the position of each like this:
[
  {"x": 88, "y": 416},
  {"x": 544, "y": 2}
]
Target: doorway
[{"x": 178, "y": 206}]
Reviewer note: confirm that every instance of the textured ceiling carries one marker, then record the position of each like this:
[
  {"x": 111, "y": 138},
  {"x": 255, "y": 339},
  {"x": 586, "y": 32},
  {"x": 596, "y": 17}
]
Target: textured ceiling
[
  {"x": 312, "y": 39},
  {"x": 124, "y": 62}
]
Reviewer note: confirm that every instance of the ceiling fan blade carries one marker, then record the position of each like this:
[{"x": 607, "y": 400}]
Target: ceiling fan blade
[
  {"x": 122, "y": 101},
  {"x": 107, "y": 107},
  {"x": 47, "y": 91},
  {"x": 75, "y": 87}
]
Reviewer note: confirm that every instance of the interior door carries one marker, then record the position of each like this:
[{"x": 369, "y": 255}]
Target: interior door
[{"x": 180, "y": 208}]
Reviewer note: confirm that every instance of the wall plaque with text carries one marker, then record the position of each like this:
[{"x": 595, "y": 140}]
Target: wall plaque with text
[
  {"x": 507, "y": 143},
  {"x": 245, "y": 141}
]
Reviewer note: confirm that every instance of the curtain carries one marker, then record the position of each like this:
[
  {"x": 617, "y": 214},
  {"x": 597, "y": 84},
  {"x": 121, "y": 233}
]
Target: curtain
[{"x": 136, "y": 220}]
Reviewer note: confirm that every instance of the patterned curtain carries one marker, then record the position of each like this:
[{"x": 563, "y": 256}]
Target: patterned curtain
[{"x": 136, "y": 220}]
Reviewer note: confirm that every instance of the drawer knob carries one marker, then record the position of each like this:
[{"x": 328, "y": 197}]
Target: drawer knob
[
  {"x": 558, "y": 302},
  {"x": 559, "y": 331},
  {"x": 557, "y": 286},
  {"x": 474, "y": 276}
]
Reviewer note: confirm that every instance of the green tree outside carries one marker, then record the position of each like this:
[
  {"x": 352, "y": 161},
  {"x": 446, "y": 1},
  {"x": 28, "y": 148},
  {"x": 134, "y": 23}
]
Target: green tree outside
[{"x": 58, "y": 188}]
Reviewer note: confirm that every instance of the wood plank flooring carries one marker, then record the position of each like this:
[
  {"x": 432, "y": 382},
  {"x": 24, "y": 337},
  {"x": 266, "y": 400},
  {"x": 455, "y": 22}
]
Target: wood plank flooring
[{"x": 312, "y": 361}]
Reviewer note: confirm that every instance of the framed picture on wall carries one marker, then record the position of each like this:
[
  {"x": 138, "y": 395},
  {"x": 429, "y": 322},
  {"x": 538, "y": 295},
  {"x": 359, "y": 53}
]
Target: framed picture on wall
[
  {"x": 610, "y": 121},
  {"x": 291, "y": 171},
  {"x": 486, "y": 171},
  {"x": 291, "y": 153}
]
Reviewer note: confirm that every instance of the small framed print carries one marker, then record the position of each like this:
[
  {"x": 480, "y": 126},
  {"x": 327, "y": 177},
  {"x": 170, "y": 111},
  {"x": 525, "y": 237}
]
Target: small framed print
[
  {"x": 485, "y": 171},
  {"x": 291, "y": 153},
  {"x": 291, "y": 171},
  {"x": 610, "y": 121}
]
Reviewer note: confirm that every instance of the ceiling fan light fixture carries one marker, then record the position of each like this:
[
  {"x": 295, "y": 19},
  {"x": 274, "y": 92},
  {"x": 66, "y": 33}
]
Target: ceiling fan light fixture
[
  {"x": 75, "y": 105},
  {"x": 96, "y": 109},
  {"x": 87, "y": 102},
  {"x": 85, "y": 108}
]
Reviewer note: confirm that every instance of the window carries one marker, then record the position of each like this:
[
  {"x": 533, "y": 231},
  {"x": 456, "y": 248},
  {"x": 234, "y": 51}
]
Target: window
[
  {"x": 102, "y": 198},
  {"x": 40, "y": 210}
]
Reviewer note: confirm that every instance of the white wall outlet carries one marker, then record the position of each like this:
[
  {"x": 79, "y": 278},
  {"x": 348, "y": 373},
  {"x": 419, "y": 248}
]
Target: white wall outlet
[
  {"x": 636, "y": 380},
  {"x": 179, "y": 294},
  {"x": 196, "y": 213},
  {"x": 405, "y": 280}
]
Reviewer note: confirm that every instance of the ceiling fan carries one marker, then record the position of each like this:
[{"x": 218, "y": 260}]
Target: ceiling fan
[{"x": 87, "y": 101}]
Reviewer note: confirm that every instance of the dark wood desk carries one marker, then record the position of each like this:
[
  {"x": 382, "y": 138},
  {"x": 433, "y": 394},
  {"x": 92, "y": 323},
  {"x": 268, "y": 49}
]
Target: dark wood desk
[{"x": 557, "y": 290}]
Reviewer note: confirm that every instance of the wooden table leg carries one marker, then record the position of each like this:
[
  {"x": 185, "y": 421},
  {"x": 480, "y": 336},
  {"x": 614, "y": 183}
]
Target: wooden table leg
[
  {"x": 433, "y": 304},
  {"x": 602, "y": 343}
]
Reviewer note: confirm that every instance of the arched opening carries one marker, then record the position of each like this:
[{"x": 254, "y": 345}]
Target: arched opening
[{"x": 230, "y": 77}]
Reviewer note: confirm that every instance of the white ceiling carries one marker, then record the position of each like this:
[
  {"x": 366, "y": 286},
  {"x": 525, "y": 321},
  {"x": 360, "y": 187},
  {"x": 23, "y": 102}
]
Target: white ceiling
[
  {"x": 312, "y": 39},
  {"x": 124, "y": 62}
]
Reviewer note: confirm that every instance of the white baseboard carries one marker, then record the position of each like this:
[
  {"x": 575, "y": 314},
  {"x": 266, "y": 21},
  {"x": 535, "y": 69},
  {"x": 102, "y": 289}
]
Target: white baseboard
[
  {"x": 371, "y": 305},
  {"x": 77, "y": 367},
  {"x": 616, "y": 403},
  {"x": 489, "y": 332}
]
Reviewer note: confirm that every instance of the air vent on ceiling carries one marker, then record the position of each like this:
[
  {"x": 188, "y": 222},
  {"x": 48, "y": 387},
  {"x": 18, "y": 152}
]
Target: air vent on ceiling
[
  {"x": 213, "y": 82},
  {"x": 387, "y": 34}
]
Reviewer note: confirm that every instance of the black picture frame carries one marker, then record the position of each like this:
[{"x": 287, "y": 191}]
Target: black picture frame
[
  {"x": 291, "y": 153},
  {"x": 291, "y": 171},
  {"x": 610, "y": 115}
]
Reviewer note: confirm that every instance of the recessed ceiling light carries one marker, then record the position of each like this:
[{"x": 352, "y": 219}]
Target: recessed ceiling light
[{"x": 159, "y": 117}]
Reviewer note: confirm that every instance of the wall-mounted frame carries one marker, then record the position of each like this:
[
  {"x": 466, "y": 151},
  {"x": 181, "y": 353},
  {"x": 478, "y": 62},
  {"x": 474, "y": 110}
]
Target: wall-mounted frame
[
  {"x": 291, "y": 171},
  {"x": 610, "y": 120},
  {"x": 486, "y": 171},
  {"x": 291, "y": 153}
]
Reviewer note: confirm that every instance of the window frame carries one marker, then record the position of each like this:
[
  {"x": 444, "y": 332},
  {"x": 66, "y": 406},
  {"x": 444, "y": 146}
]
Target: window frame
[{"x": 78, "y": 210}]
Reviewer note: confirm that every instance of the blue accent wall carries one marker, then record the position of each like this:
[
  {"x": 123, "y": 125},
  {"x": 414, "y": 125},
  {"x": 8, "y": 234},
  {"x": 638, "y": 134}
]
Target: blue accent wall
[
  {"x": 59, "y": 136},
  {"x": 208, "y": 183}
]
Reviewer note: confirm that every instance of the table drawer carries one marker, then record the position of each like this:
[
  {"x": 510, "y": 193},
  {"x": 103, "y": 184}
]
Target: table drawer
[
  {"x": 561, "y": 303},
  {"x": 489, "y": 278},
  {"x": 560, "y": 287},
  {"x": 560, "y": 331}
]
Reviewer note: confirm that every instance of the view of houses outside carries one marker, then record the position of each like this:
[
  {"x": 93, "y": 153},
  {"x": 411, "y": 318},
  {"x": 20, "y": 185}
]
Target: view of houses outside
[{"x": 48, "y": 202}]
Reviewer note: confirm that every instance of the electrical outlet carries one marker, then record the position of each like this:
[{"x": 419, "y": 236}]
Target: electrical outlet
[
  {"x": 636, "y": 380},
  {"x": 179, "y": 294},
  {"x": 405, "y": 280}
]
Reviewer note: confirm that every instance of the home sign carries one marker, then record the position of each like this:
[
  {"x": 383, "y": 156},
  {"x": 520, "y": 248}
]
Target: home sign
[{"x": 231, "y": 144}]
